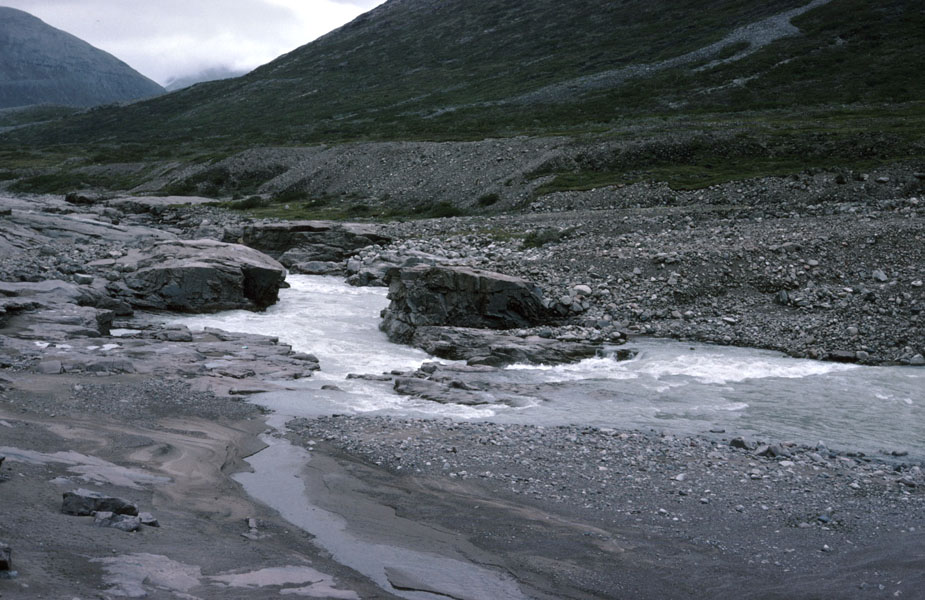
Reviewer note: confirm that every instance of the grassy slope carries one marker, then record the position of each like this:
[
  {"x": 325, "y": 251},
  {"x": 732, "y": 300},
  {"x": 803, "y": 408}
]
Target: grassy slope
[{"x": 429, "y": 69}]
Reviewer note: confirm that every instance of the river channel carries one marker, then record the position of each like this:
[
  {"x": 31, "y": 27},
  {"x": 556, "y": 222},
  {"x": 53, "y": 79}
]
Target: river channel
[{"x": 671, "y": 386}]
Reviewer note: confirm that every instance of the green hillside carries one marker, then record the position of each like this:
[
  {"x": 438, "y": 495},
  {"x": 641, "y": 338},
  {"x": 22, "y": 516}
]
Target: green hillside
[
  {"x": 453, "y": 69},
  {"x": 463, "y": 70}
]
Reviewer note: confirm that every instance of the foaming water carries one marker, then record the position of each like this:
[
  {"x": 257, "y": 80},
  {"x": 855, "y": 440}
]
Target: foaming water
[{"x": 670, "y": 386}]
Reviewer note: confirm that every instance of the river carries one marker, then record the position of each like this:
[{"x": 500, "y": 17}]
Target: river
[{"x": 670, "y": 386}]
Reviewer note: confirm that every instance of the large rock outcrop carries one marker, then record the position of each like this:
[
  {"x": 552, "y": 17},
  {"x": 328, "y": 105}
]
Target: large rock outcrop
[
  {"x": 459, "y": 297},
  {"x": 297, "y": 242},
  {"x": 199, "y": 276}
]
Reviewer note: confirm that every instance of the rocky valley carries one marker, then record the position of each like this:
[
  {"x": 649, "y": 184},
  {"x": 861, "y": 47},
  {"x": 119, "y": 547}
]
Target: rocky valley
[
  {"x": 472, "y": 300},
  {"x": 90, "y": 391}
]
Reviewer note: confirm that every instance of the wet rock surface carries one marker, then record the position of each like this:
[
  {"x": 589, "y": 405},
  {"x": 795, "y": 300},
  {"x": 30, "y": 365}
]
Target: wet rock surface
[
  {"x": 491, "y": 348},
  {"x": 161, "y": 445}
]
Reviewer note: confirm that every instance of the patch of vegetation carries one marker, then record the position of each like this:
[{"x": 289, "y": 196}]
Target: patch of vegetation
[
  {"x": 435, "y": 210},
  {"x": 249, "y": 203},
  {"x": 66, "y": 181},
  {"x": 217, "y": 181},
  {"x": 15, "y": 117},
  {"x": 294, "y": 206},
  {"x": 487, "y": 200},
  {"x": 541, "y": 237},
  {"x": 754, "y": 145}
]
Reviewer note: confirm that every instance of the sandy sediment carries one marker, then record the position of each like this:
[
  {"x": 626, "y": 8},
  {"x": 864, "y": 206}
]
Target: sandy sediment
[{"x": 178, "y": 467}]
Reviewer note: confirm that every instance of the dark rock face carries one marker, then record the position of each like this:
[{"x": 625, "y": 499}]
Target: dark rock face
[
  {"x": 43, "y": 65},
  {"x": 490, "y": 348},
  {"x": 84, "y": 503},
  {"x": 459, "y": 297},
  {"x": 310, "y": 241},
  {"x": 200, "y": 276}
]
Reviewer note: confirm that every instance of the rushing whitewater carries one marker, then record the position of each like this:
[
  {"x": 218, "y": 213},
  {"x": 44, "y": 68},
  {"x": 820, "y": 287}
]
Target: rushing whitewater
[{"x": 671, "y": 386}]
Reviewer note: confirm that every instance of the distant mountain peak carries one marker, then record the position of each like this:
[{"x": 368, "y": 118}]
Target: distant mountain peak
[{"x": 43, "y": 65}]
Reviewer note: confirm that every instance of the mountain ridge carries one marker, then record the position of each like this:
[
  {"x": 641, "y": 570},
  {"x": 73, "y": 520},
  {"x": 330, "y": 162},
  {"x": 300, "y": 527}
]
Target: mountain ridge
[
  {"x": 40, "y": 64},
  {"x": 784, "y": 81}
]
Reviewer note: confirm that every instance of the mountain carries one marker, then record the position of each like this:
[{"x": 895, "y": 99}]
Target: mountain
[
  {"x": 211, "y": 74},
  {"x": 684, "y": 91},
  {"x": 43, "y": 65},
  {"x": 450, "y": 69}
]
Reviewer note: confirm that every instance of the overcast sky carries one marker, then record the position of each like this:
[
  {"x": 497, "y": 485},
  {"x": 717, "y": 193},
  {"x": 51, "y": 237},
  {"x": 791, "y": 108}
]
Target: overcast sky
[{"x": 165, "y": 39}]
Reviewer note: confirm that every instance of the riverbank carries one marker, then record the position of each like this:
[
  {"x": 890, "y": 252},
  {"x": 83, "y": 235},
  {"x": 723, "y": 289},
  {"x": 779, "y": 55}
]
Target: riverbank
[
  {"x": 565, "y": 512},
  {"x": 823, "y": 265},
  {"x": 578, "y": 512},
  {"x": 169, "y": 450},
  {"x": 158, "y": 417}
]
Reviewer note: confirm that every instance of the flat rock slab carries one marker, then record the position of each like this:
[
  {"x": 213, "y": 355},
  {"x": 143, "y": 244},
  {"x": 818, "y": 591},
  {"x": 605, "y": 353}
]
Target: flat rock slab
[
  {"x": 26, "y": 228},
  {"x": 58, "y": 322},
  {"x": 200, "y": 276},
  {"x": 443, "y": 393},
  {"x": 491, "y": 348},
  {"x": 214, "y": 360}
]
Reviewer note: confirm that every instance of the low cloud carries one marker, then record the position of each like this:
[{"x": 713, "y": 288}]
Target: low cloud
[{"x": 169, "y": 39}]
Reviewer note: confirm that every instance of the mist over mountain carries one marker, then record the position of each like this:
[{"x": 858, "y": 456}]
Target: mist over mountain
[
  {"x": 210, "y": 74},
  {"x": 43, "y": 65}
]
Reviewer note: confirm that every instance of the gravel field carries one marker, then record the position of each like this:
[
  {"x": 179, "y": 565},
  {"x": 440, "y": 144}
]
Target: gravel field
[{"x": 746, "y": 509}]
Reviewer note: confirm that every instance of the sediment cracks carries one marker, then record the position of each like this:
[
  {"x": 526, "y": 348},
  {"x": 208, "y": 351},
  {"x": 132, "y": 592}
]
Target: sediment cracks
[{"x": 185, "y": 461}]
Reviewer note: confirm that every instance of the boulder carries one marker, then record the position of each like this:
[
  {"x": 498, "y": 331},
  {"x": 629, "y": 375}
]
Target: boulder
[
  {"x": 307, "y": 241},
  {"x": 83, "y": 502},
  {"x": 6, "y": 557},
  {"x": 490, "y": 348},
  {"x": 459, "y": 297},
  {"x": 148, "y": 519},
  {"x": 444, "y": 393},
  {"x": 200, "y": 276},
  {"x": 116, "y": 521},
  {"x": 316, "y": 267},
  {"x": 845, "y": 356},
  {"x": 373, "y": 270}
]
